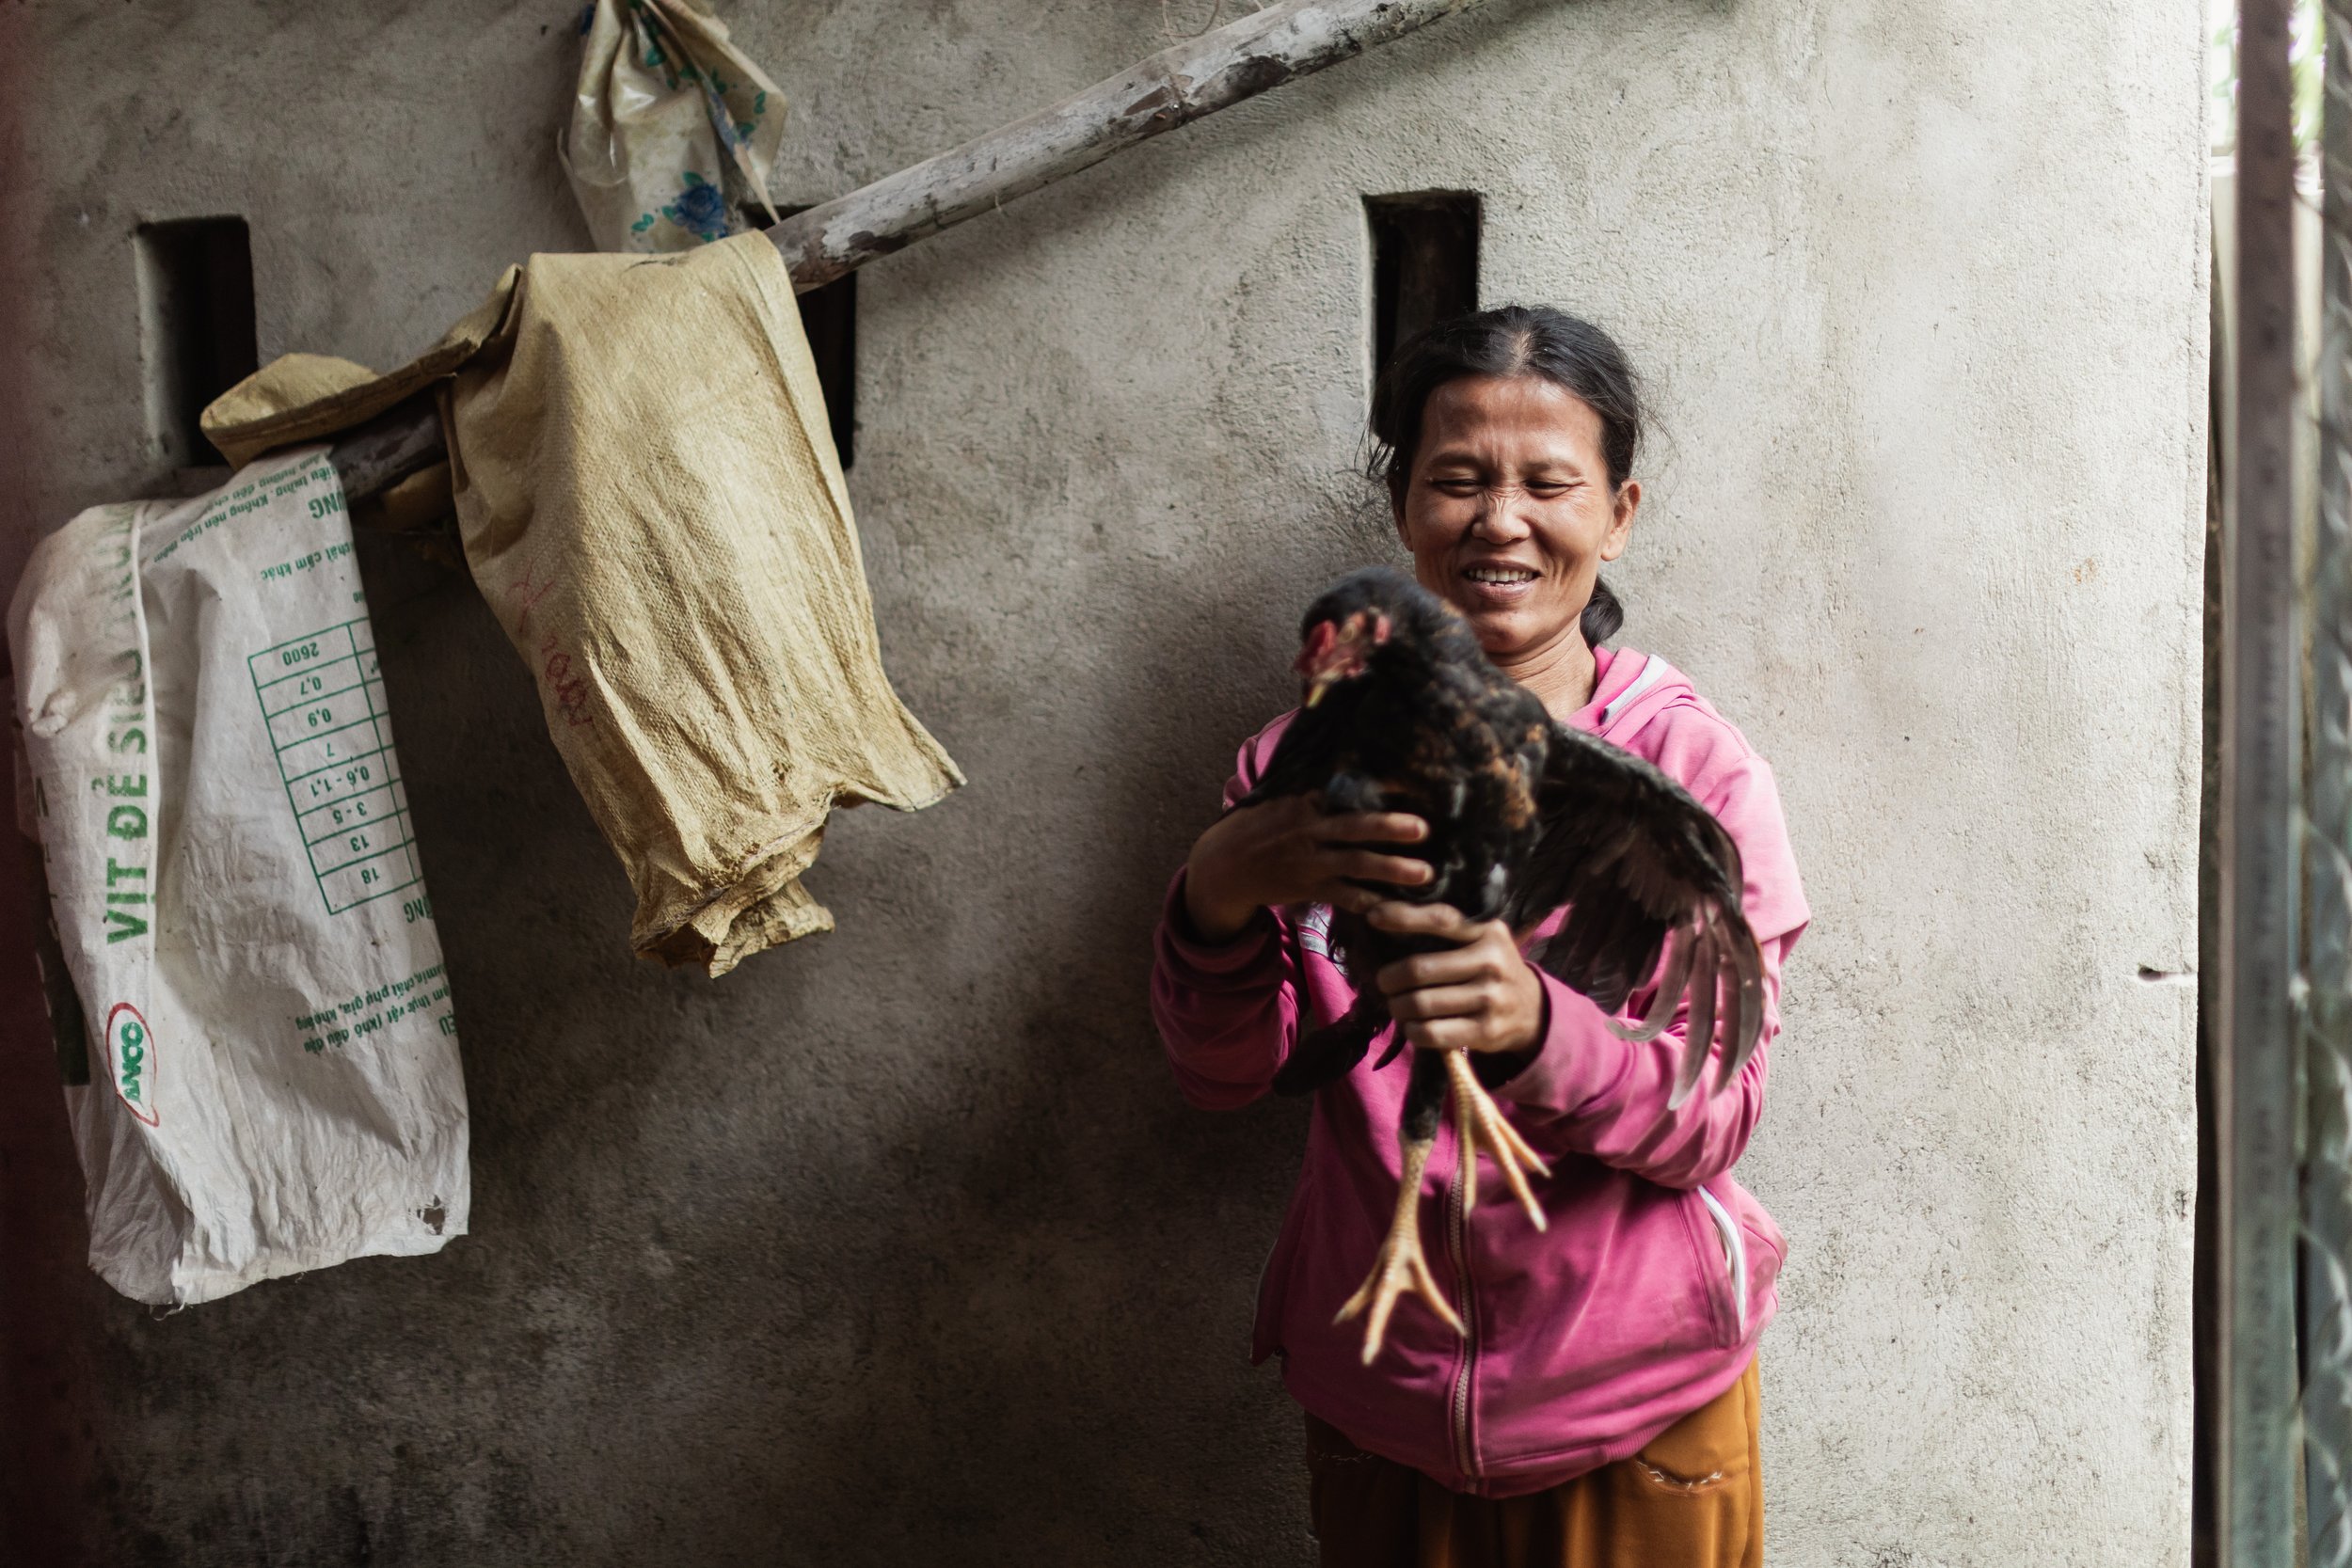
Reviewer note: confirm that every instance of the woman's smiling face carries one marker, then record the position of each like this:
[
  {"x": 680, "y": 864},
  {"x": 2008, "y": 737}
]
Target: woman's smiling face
[{"x": 1509, "y": 511}]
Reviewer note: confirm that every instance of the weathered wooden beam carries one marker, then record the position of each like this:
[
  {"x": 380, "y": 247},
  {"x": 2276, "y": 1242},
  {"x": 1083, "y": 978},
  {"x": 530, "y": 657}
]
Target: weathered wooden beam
[
  {"x": 1173, "y": 87},
  {"x": 404, "y": 440}
]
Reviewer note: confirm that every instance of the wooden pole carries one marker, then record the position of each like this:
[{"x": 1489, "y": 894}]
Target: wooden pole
[
  {"x": 1173, "y": 87},
  {"x": 2256, "y": 1104},
  {"x": 2327, "y": 940}
]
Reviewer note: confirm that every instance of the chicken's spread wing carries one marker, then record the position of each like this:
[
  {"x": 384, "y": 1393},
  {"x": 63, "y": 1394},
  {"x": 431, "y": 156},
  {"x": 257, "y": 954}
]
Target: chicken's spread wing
[{"x": 1647, "y": 872}]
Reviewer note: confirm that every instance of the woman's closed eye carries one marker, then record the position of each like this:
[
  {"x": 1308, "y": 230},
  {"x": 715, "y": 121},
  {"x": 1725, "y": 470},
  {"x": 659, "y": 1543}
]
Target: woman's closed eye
[{"x": 1466, "y": 487}]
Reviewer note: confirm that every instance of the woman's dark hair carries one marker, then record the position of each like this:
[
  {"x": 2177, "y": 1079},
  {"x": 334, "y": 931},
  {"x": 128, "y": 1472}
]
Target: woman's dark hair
[{"x": 1514, "y": 339}]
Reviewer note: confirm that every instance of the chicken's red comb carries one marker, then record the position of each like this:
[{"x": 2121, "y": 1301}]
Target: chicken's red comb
[{"x": 1319, "y": 641}]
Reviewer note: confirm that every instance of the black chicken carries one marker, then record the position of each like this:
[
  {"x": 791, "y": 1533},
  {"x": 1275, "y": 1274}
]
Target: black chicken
[{"x": 1404, "y": 713}]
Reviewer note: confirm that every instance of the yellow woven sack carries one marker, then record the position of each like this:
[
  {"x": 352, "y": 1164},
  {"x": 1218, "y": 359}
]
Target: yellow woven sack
[{"x": 651, "y": 504}]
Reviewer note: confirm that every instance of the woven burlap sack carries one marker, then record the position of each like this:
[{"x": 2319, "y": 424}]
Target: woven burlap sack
[{"x": 651, "y": 503}]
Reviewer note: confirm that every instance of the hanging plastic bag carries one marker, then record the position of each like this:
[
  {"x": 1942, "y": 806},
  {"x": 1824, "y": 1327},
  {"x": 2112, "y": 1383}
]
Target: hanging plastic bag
[
  {"x": 272, "y": 1080},
  {"x": 673, "y": 129}
]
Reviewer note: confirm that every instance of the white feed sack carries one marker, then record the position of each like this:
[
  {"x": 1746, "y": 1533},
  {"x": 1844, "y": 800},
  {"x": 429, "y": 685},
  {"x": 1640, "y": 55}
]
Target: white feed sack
[{"x": 272, "y": 1082}]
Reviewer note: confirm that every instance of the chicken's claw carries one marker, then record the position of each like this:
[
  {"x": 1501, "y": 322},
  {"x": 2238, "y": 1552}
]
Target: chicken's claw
[
  {"x": 1464, "y": 1138},
  {"x": 1481, "y": 1125},
  {"x": 1400, "y": 1266}
]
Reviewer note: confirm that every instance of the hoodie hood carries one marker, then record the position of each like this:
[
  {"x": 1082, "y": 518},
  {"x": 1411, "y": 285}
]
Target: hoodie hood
[{"x": 1630, "y": 689}]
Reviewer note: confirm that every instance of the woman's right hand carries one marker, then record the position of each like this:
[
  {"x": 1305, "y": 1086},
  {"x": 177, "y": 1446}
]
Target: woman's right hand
[{"x": 1286, "y": 852}]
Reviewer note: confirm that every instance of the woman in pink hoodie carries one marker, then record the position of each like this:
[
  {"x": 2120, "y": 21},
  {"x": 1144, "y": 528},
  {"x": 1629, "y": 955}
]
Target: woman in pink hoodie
[{"x": 1602, "y": 1409}]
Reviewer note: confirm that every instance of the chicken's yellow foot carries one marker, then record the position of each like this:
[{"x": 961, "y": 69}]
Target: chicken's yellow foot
[
  {"x": 1400, "y": 1266},
  {"x": 1481, "y": 1126}
]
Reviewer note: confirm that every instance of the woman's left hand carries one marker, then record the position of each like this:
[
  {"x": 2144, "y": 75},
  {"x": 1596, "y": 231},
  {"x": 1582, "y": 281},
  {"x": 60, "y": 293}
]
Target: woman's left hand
[{"x": 1479, "y": 996}]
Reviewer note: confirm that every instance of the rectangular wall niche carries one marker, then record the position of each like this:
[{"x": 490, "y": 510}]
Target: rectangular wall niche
[
  {"x": 1424, "y": 264},
  {"x": 829, "y": 318},
  {"x": 195, "y": 299}
]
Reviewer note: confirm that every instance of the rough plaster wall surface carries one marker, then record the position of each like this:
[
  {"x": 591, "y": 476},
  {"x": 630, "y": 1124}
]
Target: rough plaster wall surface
[{"x": 898, "y": 1245}]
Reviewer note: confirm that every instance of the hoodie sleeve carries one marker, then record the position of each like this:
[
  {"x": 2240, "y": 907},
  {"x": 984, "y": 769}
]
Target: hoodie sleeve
[
  {"x": 1607, "y": 1097},
  {"x": 1228, "y": 1012}
]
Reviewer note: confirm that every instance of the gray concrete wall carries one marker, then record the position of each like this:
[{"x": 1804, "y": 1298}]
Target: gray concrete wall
[{"x": 897, "y": 1246}]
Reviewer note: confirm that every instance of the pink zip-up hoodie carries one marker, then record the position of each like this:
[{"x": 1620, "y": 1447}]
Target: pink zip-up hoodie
[{"x": 1644, "y": 1300}]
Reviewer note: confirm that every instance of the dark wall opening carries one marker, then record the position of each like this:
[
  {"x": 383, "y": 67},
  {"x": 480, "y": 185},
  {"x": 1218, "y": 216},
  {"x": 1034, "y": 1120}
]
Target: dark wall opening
[
  {"x": 828, "y": 317},
  {"x": 1424, "y": 263},
  {"x": 198, "y": 278}
]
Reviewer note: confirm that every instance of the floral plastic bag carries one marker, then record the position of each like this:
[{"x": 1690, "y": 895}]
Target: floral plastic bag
[{"x": 674, "y": 130}]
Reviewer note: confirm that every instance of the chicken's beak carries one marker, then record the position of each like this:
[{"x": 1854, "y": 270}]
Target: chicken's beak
[{"x": 1322, "y": 683}]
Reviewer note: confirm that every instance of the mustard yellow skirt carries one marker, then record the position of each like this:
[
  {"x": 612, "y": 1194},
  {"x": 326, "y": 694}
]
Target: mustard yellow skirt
[{"x": 1692, "y": 1499}]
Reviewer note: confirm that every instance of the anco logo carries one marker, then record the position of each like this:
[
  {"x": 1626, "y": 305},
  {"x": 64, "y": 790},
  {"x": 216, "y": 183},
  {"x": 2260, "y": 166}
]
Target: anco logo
[{"x": 132, "y": 1050}]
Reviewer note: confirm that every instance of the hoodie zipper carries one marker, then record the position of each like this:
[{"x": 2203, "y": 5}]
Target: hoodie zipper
[{"x": 1457, "y": 1246}]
